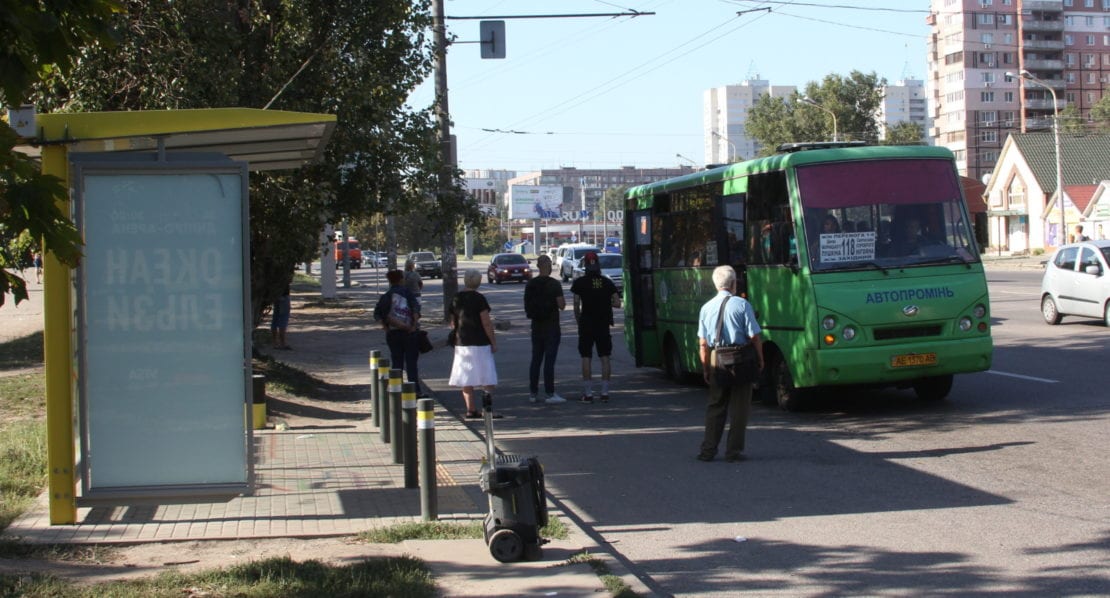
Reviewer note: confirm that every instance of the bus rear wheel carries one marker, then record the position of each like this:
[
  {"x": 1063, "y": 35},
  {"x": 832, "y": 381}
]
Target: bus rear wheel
[
  {"x": 787, "y": 395},
  {"x": 934, "y": 388},
  {"x": 672, "y": 361}
]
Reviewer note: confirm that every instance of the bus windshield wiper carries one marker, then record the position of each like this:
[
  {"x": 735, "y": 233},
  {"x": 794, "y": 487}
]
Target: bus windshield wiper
[{"x": 948, "y": 259}]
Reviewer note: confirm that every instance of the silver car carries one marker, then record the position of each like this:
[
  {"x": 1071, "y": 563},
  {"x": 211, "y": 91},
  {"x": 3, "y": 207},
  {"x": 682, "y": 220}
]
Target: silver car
[
  {"x": 1077, "y": 282},
  {"x": 610, "y": 268}
]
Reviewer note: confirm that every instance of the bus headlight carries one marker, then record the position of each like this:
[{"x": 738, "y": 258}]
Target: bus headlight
[
  {"x": 849, "y": 333},
  {"x": 965, "y": 323},
  {"x": 828, "y": 323},
  {"x": 979, "y": 311}
]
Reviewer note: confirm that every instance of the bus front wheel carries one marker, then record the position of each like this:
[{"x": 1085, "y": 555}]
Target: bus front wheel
[
  {"x": 934, "y": 388},
  {"x": 787, "y": 396},
  {"x": 672, "y": 361}
]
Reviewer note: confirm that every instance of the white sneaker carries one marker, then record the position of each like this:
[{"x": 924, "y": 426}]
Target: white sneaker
[
  {"x": 533, "y": 399},
  {"x": 554, "y": 399}
]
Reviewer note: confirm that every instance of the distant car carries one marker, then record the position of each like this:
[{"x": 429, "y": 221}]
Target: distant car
[
  {"x": 612, "y": 244},
  {"x": 569, "y": 256},
  {"x": 352, "y": 251},
  {"x": 610, "y": 268},
  {"x": 375, "y": 259},
  {"x": 508, "y": 266},
  {"x": 426, "y": 264},
  {"x": 1076, "y": 282}
]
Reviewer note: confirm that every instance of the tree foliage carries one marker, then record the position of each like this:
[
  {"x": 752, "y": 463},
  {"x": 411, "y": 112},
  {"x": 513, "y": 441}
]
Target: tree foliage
[
  {"x": 37, "y": 39},
  {"x": 358, "y": 60},
  {"x": 1100, "y": 112},
  {"x": 854, "y": 100},
  {"x": 904, "y": 133}
]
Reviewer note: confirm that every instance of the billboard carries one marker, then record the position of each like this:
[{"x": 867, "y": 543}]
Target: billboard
[{"x": 535, "y": 202}]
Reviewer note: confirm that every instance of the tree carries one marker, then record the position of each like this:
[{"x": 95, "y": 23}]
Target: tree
[
  {"x": 904, "y": 133},
  {"x": 855, "y": 101},
  {"x": 359, "y": 60},
  {"x": 1100, "y": 112},
  {"x": 38, "y": 38},
  {"x": 1071, "y": 122}
]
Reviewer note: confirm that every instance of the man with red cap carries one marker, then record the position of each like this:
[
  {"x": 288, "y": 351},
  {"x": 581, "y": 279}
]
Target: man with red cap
[{"x": 595, "y": 296}]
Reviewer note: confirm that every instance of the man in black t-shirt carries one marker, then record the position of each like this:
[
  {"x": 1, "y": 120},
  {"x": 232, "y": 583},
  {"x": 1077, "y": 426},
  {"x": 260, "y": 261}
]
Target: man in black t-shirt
[
  {"x": 543, "y": 300},
  {"x": 595, "y": 296}
]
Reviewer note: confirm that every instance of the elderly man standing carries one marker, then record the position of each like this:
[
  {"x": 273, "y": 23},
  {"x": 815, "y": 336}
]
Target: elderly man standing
[{"x": 733, "y": 319}]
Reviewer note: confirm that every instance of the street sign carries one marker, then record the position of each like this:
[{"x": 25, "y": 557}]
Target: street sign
[{"x": 492, "y": 34}]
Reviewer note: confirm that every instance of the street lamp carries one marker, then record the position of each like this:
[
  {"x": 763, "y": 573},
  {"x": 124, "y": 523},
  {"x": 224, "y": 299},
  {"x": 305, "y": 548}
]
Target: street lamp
[
  {"x": 1024, "y": 74},
  {"x": 731, "y": 146},
  {"x": 810, "y": 101},
  {"x": 687, "y": 159}
]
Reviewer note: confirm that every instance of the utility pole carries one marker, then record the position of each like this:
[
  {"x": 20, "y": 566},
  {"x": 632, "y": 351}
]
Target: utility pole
[{"x": 447, "y": 169}]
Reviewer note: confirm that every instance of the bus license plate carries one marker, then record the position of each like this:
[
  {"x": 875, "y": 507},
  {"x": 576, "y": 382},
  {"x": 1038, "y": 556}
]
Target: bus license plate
[{"x": 913, "y": 359}]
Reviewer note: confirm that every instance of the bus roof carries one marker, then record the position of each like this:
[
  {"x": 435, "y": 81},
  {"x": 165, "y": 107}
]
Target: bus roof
[{"x": 795, "y": 157}]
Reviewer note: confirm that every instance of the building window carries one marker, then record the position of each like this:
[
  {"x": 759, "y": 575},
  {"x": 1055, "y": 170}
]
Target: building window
[
  {"x": 1090, "y": 77},
  {"x": 1015, "y": 193},
  {"x": 1070, "y": 77},
  {"x": 987, "y": 117},
  {"x": 1090, "y": 40},
  {"x": 989, "y": 136},
  {"x": 1008, "y": 97},
  {"x": 1068, "y": 40},
  {"x": 986, "y": 18},
  {"x": 1006, "y": 20},
  {"x": 986, "y": 96},
  {"x": 1069, "y": 59}
]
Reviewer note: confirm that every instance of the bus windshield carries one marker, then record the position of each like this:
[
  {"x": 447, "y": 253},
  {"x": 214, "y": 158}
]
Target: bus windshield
[{"x": 883, "y": 213}]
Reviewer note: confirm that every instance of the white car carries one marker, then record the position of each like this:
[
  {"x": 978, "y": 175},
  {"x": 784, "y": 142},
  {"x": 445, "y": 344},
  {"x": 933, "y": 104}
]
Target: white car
[
  {"x": 568, "y": 257},
  {"x": 610, "y": 268},
  {"x": 1076, "y": 282}
]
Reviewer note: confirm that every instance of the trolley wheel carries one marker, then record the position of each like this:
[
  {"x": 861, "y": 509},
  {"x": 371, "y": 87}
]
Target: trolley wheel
[
  {"x": 506, "y": 546},
  {"x": 787, "y": 395}
]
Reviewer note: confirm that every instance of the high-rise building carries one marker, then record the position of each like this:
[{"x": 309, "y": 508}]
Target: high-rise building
[
  {"x": 974, "y": 104},
  {"x": 724, "y": 114},
  {"x": 904, "y": 101}
]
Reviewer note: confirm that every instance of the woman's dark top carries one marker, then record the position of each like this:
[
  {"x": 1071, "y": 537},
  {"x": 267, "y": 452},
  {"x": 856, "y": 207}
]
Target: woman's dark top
[{"x": 467, "y": 308}]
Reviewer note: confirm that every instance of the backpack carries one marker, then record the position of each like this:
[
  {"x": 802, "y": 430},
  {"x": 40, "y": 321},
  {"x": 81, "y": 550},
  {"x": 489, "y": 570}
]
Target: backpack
[{"x": 393, "y": 305}]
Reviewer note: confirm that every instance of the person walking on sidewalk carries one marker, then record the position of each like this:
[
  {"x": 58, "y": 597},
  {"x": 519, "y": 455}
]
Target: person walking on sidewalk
[
  {"x": 734, "y": 401},
  {"x": 475, "y": 343},
  {"x": 595, "y": 296},
  {"x": 396, "y": 310},
  {"x": 283, "y": 306},
  {"x": 543, "y": 300},
  {"x": 413, "y": 282}
]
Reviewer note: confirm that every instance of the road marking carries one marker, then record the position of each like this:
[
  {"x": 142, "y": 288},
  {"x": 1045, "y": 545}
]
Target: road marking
[{"x": 1033, "y": 378}]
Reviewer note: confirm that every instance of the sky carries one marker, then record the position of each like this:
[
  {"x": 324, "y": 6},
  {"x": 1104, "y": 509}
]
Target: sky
[{"x": 606, "y": 92}]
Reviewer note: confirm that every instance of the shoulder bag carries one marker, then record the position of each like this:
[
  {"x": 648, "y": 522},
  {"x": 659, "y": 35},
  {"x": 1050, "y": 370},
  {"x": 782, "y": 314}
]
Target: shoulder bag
[{"x": 732, "y": 364}]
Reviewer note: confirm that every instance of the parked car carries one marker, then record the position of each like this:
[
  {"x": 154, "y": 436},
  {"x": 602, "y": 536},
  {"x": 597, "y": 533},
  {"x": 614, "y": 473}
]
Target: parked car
[
  {"x": 426, "y": 264},
  {"x": 354, "y": 253},
  {"x": 568, "y": 257},
  {"x": 508, "y": 266},
  {"x": 610, "y": 268},
  {"x": 612, "y": 244},
  {"x": 1076, "y": 282}
]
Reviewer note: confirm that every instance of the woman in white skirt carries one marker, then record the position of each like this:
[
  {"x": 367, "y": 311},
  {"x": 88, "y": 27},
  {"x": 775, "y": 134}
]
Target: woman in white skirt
[{"x": 475, "y": 343}]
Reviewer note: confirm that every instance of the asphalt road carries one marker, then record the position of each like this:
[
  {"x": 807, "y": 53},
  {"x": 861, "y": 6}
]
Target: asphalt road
[{"x": 1003, "y": 488}]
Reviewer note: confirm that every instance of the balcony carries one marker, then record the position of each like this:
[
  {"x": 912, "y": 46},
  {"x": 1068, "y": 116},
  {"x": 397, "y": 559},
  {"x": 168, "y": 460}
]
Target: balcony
[
  {"x": 1044, "y": 104},
  {"x": 1043, "y": 44},
  {"x": 1043, "y": 5},
  {"x": 1044, "y": 65},
  {"x": 1034, "y": 25},
  {"x": 1053, "y": 83},
  {"x": 1037, "y": 124}
]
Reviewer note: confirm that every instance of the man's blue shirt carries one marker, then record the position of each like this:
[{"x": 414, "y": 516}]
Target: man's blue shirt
[{"x": 739, "y": 320}]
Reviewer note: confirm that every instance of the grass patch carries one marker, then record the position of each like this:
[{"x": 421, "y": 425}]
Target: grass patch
[
  {"x": 96, "y": 554},
  {"x": 22, "y": 397},
  {"x": 302, "y": 281},
  {"x": 613, "y": 583},
  {"x": 289, "y": 379},
  {"x": 400, "y": 577},
  {"x": 446, "y": 530},
  {"x": 22, "y": 352},
  {"x": 22, "y": 467}
]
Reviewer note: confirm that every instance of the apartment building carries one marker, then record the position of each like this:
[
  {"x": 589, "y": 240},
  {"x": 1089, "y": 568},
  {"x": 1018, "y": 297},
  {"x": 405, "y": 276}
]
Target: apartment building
[
  {"x": 904, "y": 101},
  {"x": 1064, "y": 45},
  {"x": 724, "y": 114}
]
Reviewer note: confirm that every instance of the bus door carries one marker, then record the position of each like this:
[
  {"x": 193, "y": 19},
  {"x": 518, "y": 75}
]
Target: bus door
[{"x": 640, "y": 266}]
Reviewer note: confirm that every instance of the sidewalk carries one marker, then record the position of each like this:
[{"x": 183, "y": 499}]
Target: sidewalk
[{"x": 336, "y": 478}]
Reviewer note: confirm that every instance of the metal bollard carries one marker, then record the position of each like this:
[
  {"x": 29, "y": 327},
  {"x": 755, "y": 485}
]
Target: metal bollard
[
  {"x": 383, "y": 382},
  {"x": 426, "y": 424},
  {"x": 408, "y": 438},
  {"x": 394, "y": 414},
  {"x": 374, "y": 355},
  {"x": 383, "y": 400}
]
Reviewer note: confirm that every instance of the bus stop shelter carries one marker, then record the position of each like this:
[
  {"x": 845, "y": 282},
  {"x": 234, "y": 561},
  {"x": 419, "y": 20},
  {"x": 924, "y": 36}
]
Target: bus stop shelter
[{"x": 262, "y": 139}]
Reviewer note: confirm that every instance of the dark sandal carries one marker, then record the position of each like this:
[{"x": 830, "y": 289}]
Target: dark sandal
[{"x": 473, "y": 415}]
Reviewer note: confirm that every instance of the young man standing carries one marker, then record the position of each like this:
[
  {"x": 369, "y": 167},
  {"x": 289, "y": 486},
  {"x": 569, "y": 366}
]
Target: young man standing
[
  {"x": 595, "y": 296},
  {"x": 543, "y": 300}
]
